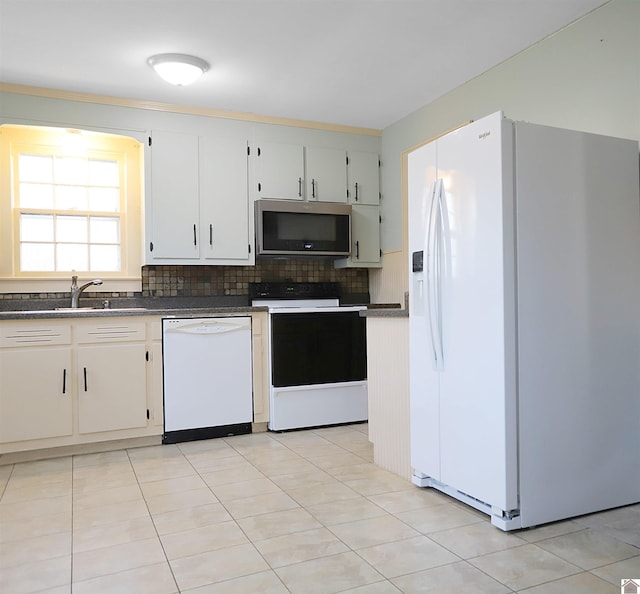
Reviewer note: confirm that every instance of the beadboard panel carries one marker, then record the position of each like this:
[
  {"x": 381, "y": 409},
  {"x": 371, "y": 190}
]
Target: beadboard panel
[
  {"x": 389, "y": 283},
  {"x": 388, "y": 379}
]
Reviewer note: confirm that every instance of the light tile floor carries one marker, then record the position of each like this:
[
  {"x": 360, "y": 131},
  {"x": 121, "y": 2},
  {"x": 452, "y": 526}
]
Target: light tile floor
[{"x": 302, "y": 512}]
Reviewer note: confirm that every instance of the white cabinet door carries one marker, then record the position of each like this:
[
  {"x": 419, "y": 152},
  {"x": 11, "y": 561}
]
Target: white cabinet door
[
  {"x": 35, "y": 393},
  {"x": 365, "y": 238},
  {"x": 112, "y": 387},
  {"x": 279, "y": 171},
  {"x": 364, "y": 178},
  {"x": 224, "y": 201},
  {"x": 326, "y": 174},
  {"x": 365, "y": 226},
  {"x": 174, "y": 196}
]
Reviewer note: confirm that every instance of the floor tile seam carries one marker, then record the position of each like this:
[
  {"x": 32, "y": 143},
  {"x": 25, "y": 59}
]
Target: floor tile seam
[
  {"x": 466, "y": 562},
  {"x": 385, "y": 512},
  {"x": 228, "y": 511},
  {"x": 527, "y": 544},
  {"x": 329, "y": 442},
  {"x": 350, "y": 550},
  {"x": 597, "y": 532},
  {"x": 524, "y": 543},
  {"x": 155, "y": 528},
  {"x": 538, "y": 584},
  {"x": 111, "y": 573},
  {"x": 394, "y": 540}
]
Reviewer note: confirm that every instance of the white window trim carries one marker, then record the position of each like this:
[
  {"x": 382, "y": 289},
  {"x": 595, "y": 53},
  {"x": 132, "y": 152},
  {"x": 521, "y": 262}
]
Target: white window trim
[{"x": 128, "y": 280}]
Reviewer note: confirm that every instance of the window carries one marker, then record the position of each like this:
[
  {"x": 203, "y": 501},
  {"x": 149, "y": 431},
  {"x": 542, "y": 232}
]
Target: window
[{"x": 72, "y": 205}]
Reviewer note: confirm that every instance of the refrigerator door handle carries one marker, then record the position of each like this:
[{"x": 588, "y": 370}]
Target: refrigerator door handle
[
  {"x": 439, "y": 255},
  {"x": 430, "y": 262}
]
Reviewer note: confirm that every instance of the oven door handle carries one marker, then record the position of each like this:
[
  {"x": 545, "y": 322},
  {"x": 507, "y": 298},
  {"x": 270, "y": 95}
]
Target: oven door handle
[{"x": 328, "y": 309}]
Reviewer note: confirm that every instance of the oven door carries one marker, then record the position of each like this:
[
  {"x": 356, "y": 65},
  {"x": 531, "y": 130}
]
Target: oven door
[
  {"x": 318, "y": 348},
  {"x": 318, "y": 367}
]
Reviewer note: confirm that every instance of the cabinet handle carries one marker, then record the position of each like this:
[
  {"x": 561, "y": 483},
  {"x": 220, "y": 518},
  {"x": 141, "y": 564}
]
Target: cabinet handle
[
  {"x": 357, "y": 250},
  {"x": 356, "y": 191},
  {"x": 300, "y": 187},
  {"x": 195, "y": 241},
  {"x": 64, "y": 381},
  {"x": 210, "y": 234},
  {"x": 85, "y": 378},
  {"x": 313, "y": 188}
]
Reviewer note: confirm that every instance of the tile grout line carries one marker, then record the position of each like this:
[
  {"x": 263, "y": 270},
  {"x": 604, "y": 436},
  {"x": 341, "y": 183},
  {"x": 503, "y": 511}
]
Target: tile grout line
[
  {"x": 250, "y": 541},
  {"x": 133, "y": 468}
]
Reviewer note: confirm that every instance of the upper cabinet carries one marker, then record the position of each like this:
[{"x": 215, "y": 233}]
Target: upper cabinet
[
  {"x": 198, "y": 200},
  {"x": 365, "y": 238},
  {"x": 326, "y": 174},
  {"x": 279, "y": 171},
  {"x": 363, "y": 177},
  {"x": 224, "y": 202},
  {"x": 175, "y": 191}
]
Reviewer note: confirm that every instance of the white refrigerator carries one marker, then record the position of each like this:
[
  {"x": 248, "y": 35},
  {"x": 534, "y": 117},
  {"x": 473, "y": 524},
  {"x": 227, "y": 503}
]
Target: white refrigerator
[{"x": 524, "y": 251}]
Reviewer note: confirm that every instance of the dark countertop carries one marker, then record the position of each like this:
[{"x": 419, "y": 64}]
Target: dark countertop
[
  {"x": 388, "y": 310},
  {"x": 35, "y": 309},
  {"x": 116, "y": 312},
  {"x": 140, "y": 306},
  {"x": 377, "y": 310}
]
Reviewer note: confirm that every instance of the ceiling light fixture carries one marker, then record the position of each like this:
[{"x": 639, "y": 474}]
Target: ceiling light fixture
[{"x": 178, "y": 69}]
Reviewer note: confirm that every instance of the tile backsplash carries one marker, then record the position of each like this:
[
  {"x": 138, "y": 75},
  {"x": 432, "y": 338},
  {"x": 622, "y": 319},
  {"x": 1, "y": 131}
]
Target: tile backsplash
[
  {"x": 201, "y": 281},
  {"x": 230, "y": 281}
]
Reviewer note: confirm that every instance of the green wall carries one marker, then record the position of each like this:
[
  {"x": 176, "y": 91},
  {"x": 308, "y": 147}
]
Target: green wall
[{"x": 585, "y": 77}]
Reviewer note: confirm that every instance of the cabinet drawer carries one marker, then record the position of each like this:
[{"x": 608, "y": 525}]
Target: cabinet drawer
[
  {"x": 34, "y": 334},
  {"x": 100, "y": 332}
]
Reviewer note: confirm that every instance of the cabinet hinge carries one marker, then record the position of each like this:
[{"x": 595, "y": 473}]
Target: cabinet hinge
[
  {"x": 248, "y": 150},
  {"x": 347, "y": 159},
  {"x": 149, "y": 140},
  {"x": 380, "y": 218},
  {"x": 148, "y": 415},
  {"x": 379, "y": 164},
  {"x": 151, "y": 246},
  {"x": 347, "y": 193}
]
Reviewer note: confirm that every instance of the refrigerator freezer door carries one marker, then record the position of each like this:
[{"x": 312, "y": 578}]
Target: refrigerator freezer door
[
  {"x": 477, "y": 389},
  {"x": 424, "y": 380}
]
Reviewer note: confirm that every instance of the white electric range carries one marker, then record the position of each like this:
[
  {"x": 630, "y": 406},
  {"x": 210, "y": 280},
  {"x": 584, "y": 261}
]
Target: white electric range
[{"x": 317, "y": 355}]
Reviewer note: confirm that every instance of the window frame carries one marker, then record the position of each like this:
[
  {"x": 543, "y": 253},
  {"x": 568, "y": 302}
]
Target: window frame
[{"x": 16, "y": 139}]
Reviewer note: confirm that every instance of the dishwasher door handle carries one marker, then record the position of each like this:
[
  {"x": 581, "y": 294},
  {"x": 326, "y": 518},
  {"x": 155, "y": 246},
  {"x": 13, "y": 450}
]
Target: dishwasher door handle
[{"x": 207, "y": 327}]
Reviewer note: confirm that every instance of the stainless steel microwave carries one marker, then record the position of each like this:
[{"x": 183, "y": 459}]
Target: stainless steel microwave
[{"x": 289, "y": 227}]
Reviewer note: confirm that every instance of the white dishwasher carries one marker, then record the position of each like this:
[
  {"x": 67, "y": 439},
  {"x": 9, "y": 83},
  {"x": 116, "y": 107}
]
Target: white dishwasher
[{"x": 207, "y": 377}]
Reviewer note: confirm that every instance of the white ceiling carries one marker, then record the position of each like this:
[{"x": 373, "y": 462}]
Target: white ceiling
[{"x": 363, "y": 63}]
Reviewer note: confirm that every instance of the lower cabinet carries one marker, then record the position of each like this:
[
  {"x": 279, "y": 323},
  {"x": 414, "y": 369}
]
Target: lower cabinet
[
  {"x": 35, "y": 393},
  {"x": 69, "y": 382},
  {"x": 112, "y": 392},
  {"x": 66, "y": 382},
  {"x": 260, "y": 344}
]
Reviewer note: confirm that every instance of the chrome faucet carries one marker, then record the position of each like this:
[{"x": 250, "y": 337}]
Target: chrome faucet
[{"x": 76, "y": 290}]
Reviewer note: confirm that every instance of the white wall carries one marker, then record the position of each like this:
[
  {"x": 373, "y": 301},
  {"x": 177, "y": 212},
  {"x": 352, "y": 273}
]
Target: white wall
[{"x": 585, "y": 77}]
